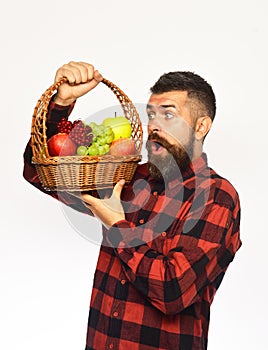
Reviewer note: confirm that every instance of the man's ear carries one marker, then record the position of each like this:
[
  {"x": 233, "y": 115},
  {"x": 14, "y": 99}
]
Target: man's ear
[{"x": 202, "y": 127}]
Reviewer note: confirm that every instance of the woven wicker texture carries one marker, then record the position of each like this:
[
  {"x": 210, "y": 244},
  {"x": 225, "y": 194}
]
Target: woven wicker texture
[{"x": 82, "y": 173}]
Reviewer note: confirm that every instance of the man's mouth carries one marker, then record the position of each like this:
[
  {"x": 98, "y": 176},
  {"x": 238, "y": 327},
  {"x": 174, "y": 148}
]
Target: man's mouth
[{"x": 156, "y": 147}]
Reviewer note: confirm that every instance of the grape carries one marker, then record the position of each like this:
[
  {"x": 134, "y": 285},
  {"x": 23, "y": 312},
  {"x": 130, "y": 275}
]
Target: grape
[
  {"x": 101, "y": 140},
  {"x": 81, "y": 134},
  {"x": 64, "y": 126},
  {"x": 107, "y": 148},
  {"x": 91, "y": 139},
  {"x": 92, "y": 125},
  {"x": 103, "y": 136},
  {"x": 108, "y": 131},
  {"x": 78, "y": 123},
  {"x": 101, "y": 150},
  {"x": 88, "y": 129},
  {"x": 97, "y": 130},
  {"x": 92, "y": 150},
  {"x": 94, "y": 139},
  {"x": 88, "y": 139},
  {"x": 109, "y": 138},
  {"x": 81, "y": 151}
]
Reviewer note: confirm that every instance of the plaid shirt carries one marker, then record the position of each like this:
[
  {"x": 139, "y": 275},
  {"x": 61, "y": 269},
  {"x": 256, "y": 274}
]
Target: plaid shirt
[{"x": 159, "y": 269}]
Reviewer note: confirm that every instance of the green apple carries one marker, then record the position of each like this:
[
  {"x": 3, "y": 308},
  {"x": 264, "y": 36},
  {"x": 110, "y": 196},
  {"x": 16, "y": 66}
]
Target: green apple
[{"x": 120, "y": 125}]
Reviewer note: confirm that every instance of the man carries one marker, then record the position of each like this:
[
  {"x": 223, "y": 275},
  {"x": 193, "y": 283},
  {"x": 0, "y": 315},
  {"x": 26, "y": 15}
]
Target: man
[{"x": 169, "y": 236}]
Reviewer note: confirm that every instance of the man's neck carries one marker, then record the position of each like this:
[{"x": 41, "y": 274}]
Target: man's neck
[{"x": 198, "y": 150}]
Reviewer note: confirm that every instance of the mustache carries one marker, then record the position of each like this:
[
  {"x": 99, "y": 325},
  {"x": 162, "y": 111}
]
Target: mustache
[{"x": 154, "y": 137}]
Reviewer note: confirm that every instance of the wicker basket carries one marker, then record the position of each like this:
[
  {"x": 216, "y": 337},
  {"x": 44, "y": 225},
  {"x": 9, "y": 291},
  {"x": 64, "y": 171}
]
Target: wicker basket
[{"x": 82, "y": 173}]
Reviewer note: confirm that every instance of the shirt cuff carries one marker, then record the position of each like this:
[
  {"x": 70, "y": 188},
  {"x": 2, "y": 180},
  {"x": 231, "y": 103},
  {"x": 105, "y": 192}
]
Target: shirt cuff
[
  {"x": 57, "y": 112},
  {"x": 54, "y": 105}
]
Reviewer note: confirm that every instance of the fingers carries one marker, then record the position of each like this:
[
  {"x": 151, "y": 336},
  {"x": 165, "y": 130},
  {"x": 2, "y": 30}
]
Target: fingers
[
  {"x": 97, "y": 76},
  {"x": 118, "y": 189},
  {"x": 82, "y": 77},
  {"x": 83, "y": 72},
  {"x": 109, "y": 210},
  {"x": 94, "y": 202},
  {"x": 89, "y": 200},
  {"x": 78, "y": 73}
]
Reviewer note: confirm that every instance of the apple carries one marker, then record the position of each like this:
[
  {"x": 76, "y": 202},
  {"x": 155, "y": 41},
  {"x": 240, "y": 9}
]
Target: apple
[
  {"x": 123, "y": 147},
  {"x": 120, "y": 125},
  {"x": 61, "y": 145}
]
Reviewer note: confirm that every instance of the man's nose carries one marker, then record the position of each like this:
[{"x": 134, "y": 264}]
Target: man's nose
[{"x": 154, "y": 125}]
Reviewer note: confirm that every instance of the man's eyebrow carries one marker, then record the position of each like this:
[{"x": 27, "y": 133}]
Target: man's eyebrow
[
  {"x": 169, "y": 106},
  {"x": 163, "y": 106}
]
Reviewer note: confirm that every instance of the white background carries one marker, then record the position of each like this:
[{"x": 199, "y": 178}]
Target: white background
[{"x": 46, "y": 266}]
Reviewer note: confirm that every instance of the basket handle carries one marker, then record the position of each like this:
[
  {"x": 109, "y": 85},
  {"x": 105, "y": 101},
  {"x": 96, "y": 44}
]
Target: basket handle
[{"x": 38, "y": 129}]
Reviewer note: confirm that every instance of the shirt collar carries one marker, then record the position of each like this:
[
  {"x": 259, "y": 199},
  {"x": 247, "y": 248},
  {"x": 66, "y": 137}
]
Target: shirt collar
[{"x": 195, "y": 168}]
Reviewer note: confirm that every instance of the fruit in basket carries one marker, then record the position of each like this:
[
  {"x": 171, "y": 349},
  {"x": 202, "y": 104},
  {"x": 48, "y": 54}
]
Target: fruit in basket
[
  {"x": 103, "y": 136},
  {"x": 81, "y": 150},
  {"x": 93, "y": 150},
  {"x": 103, "y": 149},
  {"x": 123, "y": 147},
  {"x": 101, "y": 140},
  {"x": 61, "y": 145},
  {"x": 120, "y": 126},
  {"x": 64, "y": 126},
  {"x": 90, "y": 139},
  {"x": 81, "y": 133}
]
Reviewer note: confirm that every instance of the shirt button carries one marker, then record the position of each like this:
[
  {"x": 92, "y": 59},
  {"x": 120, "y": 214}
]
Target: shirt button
[
  {"x": 163, "y": 234},
  {"x": 141, "y": 221},
  {"x": 123, "y": 282},
  {"x": 115, "y": 314},
  {"x": 111, "y": 346}
]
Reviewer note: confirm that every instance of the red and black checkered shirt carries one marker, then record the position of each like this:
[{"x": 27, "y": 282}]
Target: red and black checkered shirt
[{"x": 158, "y": 270}]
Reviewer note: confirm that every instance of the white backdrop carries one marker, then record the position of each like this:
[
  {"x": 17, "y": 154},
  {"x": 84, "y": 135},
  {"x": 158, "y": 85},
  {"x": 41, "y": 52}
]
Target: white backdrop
[{"x": 46, "y": 266}]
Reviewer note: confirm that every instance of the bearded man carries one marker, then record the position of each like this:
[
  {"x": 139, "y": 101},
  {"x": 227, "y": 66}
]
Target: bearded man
[{"x": 170, "y": 235}]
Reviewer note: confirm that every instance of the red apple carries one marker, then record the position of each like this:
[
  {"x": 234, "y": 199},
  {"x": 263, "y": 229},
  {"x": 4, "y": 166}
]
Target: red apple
[
  {"x": 61, "y": 145},
  {"x": 123, "y": 147}
]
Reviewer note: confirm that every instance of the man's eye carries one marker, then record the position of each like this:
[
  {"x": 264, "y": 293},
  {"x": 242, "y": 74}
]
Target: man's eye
[
  {"x": 151, "y": 115},
  {"x": 169, "y": 115}
]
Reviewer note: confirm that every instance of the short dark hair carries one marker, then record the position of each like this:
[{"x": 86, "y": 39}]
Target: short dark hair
[{"x": 196, "y": 86}]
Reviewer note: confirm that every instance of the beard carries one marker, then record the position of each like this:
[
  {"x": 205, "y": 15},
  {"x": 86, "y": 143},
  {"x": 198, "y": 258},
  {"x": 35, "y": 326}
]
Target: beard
[{"x": 172, "y": 165}]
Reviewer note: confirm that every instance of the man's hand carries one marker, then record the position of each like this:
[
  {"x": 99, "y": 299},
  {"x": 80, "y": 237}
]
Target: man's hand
[
  {"x": 108, "y": 210},
  {"x": 82, "y": 77}
]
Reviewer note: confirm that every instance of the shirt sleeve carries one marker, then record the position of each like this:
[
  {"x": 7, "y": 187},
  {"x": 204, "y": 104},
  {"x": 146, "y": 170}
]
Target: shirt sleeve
[
  {"x": 54, "y": 115},
  {"x": 197, "y": 258}
]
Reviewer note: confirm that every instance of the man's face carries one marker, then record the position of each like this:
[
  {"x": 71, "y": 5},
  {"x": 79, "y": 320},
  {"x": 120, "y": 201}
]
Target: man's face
[{"x": 171, "y": 137}]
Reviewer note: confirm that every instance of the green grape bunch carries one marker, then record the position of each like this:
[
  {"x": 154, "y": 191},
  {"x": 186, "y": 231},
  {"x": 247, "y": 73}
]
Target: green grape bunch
[{"x": 103, "y": 136}]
